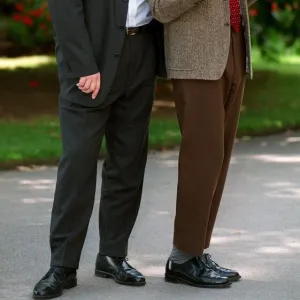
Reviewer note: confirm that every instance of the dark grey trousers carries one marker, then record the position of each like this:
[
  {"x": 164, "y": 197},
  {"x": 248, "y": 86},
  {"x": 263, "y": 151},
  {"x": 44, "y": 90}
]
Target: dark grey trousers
[{"x": 124, "y": 121}]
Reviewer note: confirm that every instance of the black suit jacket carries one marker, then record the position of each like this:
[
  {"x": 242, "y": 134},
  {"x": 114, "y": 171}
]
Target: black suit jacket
[{"x": 89, "y": 36}]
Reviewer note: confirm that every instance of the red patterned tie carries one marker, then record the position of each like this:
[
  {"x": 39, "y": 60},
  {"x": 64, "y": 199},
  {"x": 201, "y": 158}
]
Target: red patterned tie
[{"x": 235, "y": 14}]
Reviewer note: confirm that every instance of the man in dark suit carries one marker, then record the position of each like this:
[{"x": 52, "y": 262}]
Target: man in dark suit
[{"x": 108, "y": 55}]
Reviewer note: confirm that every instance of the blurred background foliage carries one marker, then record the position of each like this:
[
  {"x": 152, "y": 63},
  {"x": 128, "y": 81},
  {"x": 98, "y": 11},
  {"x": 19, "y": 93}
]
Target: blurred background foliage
[
  {"x": 276, "y": 27},
  {"x": 29, "y": 87},
  {"x": 26, "y": 27}
]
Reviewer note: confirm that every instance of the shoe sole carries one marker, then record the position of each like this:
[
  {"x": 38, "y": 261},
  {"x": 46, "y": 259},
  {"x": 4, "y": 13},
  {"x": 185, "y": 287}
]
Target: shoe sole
[
  {"x": 102, "y": 274},
  {"x": 176, "y": 280},
  {"x": 235, "y": 279},
  {"x": 68, "y": 285}
]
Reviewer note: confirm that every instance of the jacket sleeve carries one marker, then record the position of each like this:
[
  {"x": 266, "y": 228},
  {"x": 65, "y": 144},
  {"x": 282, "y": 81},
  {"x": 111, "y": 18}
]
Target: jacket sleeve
[
  {"x": 72, "y": 36},
  {"x": 166, "y": 11},
  {"x": 250, "y": 2}
]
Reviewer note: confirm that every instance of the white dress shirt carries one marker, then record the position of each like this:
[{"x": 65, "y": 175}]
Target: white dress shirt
[{"x": 139, "y": 13}]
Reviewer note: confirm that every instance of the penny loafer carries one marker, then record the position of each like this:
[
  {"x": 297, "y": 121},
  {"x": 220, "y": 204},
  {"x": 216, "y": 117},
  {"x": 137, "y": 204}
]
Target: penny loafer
[
  {"x": 54, "y": 282},
  {"x": 232, "y": 275},
  {"x": 118, "y": 269},
  {"x": 195, "y": 273}
]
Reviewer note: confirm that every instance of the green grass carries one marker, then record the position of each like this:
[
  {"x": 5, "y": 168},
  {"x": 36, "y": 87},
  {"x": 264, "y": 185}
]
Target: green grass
[
  {"x": 22, "y": 141},
  {"x": 272, "y": 99},
  {"x": 271, "y": 104},
  {"x": 38, "y": 141}
]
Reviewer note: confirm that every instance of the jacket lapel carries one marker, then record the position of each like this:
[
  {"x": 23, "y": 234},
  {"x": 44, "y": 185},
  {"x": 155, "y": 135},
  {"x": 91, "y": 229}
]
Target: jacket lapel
[{"x": 120, "y": 9}]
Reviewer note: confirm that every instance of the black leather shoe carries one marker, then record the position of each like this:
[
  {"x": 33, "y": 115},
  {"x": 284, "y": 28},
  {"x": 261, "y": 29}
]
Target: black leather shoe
[
  {"x": 54, "y": 282},
  {"x": 195, "y": 273},
  {"x": 231, "y": 274},
  {"x": 118, "y": 269}
]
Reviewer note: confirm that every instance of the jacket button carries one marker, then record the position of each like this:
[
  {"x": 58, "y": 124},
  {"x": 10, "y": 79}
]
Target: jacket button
[
  {"x": 227, "y": 24},
  {"x": 117, "y": 55}
]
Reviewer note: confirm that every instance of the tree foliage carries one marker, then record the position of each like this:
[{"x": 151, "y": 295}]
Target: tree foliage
[{"x": 275, "y": 26}]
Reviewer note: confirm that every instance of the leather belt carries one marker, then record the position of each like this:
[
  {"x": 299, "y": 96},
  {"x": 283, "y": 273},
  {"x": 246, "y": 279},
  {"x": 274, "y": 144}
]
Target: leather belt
[{"x": 131, "y": 31}]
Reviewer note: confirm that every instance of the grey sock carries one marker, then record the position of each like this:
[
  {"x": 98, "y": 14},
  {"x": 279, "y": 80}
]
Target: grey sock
[{"x": 179, "y": 257}]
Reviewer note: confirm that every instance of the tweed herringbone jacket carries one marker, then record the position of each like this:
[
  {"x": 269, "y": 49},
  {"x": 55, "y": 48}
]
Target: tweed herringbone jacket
[{"x": 197, "y": 36}]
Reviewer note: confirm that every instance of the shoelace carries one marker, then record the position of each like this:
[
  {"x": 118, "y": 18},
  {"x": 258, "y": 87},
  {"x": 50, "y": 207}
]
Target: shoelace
[
  {"x": 208, "y": 258},
  {"x": 59, "y": 270},
  {"x": 204, "y": 259},
  {"x": 120, "y": 260},
  {"x": 207, "y": 255},
  {"x": 54, "y": 270}
]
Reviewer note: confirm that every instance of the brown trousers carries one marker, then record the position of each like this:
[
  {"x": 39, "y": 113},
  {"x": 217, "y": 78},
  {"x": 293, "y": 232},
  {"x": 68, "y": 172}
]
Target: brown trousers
[{"x": 208, "y": 114}]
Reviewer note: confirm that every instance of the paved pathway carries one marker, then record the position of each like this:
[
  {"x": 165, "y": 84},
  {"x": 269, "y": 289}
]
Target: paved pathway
[{"x": 258, "y": 229}]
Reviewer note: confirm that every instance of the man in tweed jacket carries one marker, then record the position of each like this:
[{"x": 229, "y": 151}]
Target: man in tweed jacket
[{"x": 208, "y": 55}]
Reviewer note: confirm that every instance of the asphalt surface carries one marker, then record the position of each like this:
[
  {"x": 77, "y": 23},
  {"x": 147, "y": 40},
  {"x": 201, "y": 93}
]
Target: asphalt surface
[{"x": 257, "y": 231}]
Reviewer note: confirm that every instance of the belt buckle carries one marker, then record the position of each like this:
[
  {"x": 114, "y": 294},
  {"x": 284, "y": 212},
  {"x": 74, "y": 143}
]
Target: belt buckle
[{"x": 130, "y": 31}]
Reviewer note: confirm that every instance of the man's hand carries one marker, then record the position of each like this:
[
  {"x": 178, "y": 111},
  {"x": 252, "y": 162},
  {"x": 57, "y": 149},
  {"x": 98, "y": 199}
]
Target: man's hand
[{"x": 90, "y": 84}]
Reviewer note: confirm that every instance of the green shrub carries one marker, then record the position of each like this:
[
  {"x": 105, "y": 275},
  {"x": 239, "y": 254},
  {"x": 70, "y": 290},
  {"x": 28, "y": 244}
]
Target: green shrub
[
  {"x": 30, "y": 24},
  {"x": 275, "y": 26}
]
